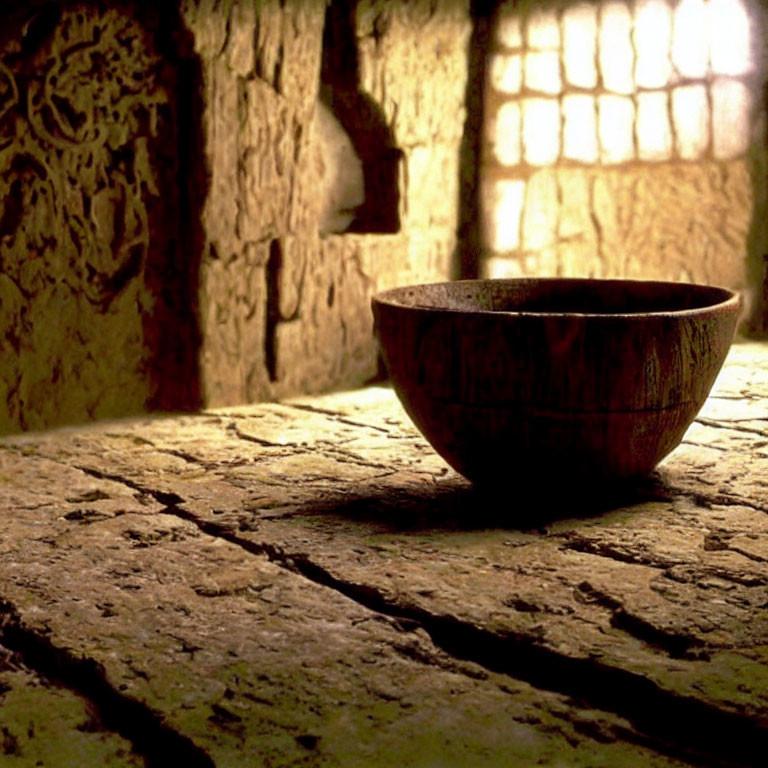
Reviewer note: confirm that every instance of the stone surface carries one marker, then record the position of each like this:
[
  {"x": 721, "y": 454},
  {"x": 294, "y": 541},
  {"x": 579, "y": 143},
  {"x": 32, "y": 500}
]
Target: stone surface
[
  {"x": 89, "y": 217},
  {"x": 580, "y": 45},
  {"x": 615, "y": 49},
  {"x": 574, "y": 195},
  {"x": 412, "y": 76},
  {"x": 160, "y": 213},
  {"x": 501, "y": 267},
  {"x": 306, "y": 583},
  {"x": 507, "y": 134},
  {"x": 637, "y": 95},
  {"x": 541, "y": 131},
  {"x": 509, "y": 27},
  {"x": 690, "y": 116},
  {"x": 691, "y": 35},
  {"x": 540, "y": 214},
  {"x": 731, "y": 108},
  {"x": 652, "y": 35},
  {"x": 504, "y": 205},
  {"x": 627, "y": 221},
  {"x": 580, "y": 127},
  {"x": 654, "y": 132},
  {"x": 542, "y": 29},
  {"x": 616, "y": 124},
  {"x": 45, "y": 725},
  {"x": 542, "y": 72},
  {"x": 732, "y": 47},
  {"x": 506, "y": 72}
]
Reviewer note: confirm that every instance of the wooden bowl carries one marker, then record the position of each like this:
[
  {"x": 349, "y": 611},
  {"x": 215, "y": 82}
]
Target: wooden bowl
[{"x": 554, "y": 379}]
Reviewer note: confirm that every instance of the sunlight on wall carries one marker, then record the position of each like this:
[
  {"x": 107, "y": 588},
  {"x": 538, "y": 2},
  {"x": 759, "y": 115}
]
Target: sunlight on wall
[{"x": 613, "y": 84}]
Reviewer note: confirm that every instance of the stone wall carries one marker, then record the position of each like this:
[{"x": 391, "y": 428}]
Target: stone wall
[
  {"x": 264, "y": 256},
  {"x": 164, "y": 203},
  {"x": 160, "y": 208},
  {"x": 626, "y": 139},
  {"x": 91, "y": 309}
]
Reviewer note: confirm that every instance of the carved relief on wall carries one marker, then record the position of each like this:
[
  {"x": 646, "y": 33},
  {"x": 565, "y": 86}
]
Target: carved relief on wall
[{"x": 87, "y": 161}]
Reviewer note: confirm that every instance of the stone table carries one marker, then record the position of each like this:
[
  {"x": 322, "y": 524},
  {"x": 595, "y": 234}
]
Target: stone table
[{"x": 306, "y": 583}]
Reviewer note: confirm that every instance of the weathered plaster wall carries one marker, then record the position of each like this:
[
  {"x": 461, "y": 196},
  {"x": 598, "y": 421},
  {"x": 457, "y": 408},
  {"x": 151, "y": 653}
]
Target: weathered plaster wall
[
  {"x": 159, "y": 203},
  {"x": 627, "y": 139}
]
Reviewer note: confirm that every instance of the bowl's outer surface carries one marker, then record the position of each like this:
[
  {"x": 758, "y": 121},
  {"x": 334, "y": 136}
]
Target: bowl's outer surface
[{"x": 553, "y": 376}]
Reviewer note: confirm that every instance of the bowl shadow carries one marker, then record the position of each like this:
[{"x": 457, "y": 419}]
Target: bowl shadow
[{"x": 454, "y": 504}]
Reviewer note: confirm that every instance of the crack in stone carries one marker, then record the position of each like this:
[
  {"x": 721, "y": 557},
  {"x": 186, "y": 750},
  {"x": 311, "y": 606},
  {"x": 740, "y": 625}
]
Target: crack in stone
[
  {"x": 704, "y": 445},
  {"x": 232, "y": 427},
  {"x": 336, "y": 416},
  {"x": 577, "y": 543},
  {"x": 708, "y": 500},
  {"x": 670, "y": 568},
  {"x": 720, "y": 541},
  {"x": 749, "y": 555},
  {"x": 667, "y": 722},
  {"x": 330, "y": 449},
  {"x": 150, "y": 737},
  {"x": 734, "y": 425},
  {"x": 670, "y": 723},
  {"x": 188, "y": 457},
  {"x": 350, "y": 457},
  {"x": 675, "y": 645}
]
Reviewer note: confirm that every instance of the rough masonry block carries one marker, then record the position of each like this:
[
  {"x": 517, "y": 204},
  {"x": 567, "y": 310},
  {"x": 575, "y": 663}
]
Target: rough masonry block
[
  {"x": 509, "y": 28},
  {"x": 652, "y": 36},
  {"x": 580, "y": 45},
  {"x": 575, "y": 218},
  {"x": 506, "y": 72},
  {"x": 690, "y": 114},
  {"x": 616, "y": 117},
  {"x": 506, "y": 134},
  {"x": 731, "y": 112},
  {"x": 541, "y": 212},
  {"x": 541, "y": 131},
  {"x": 500, "y": 267},
  {"x": 503, "y": 208},
  {"x": 543, "y": 30},
  {"x": 580, "y": 128},
  {"x": 616, "y": 54},
  {"x": 542, "y": 71},
  {"x": 690, "y": 40},
  {"x": 654, "y": 133},
  {"x": 731, "y": 44}
]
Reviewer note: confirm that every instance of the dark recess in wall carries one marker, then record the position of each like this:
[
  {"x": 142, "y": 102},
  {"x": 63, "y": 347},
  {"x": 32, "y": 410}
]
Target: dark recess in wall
[
  {"x": 174, "y": 332},
  {"x": 362, "y": 119},
  {"x": 466, "y": 261},
  {"x": 273, "y": 270}
]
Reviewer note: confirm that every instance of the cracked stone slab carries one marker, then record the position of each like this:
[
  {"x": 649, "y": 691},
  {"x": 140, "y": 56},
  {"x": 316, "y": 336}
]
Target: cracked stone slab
[
  {"x": 650, "y": 604},
  {"x": 251, "y": 662},
  {"x": 45, "y": 725}
]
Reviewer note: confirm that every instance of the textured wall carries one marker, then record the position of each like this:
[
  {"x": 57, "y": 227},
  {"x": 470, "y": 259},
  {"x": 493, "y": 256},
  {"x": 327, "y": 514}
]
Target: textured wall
[
  {"x": 626, "y": 139},
  {"x": 88, "y": 217},
  {"x": 160, "y": 199},
  {"x": 284, "y": 310},
  {"x": 160, "y": 207}
]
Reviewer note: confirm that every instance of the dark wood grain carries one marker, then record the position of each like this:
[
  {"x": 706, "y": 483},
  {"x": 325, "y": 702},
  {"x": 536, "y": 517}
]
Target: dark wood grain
[{"x": 579, "y": 379}]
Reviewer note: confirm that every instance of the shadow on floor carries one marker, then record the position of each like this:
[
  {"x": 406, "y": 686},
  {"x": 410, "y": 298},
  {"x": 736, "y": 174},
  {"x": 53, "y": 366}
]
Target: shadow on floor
[{"x": 453, "y": 504}]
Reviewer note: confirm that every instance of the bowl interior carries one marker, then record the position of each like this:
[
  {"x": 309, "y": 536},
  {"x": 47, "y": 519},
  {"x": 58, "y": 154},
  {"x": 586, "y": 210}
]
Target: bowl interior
[{"x": 560, "y": 296}]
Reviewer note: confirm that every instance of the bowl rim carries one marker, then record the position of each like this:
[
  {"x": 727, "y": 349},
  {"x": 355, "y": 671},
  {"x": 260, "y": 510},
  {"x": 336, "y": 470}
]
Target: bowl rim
[{"x": 731, "y": 298}]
